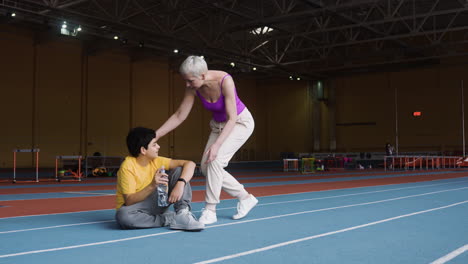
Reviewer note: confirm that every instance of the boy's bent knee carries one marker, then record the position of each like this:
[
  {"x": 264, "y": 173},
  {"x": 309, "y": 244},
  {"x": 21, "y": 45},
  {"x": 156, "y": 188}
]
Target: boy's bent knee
[
  {"x": 133, "y": 219},
  {"x": 123, "y": 218}
]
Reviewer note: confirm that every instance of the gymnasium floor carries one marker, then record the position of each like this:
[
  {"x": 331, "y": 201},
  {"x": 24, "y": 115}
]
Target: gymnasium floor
[{"x": 368, "y": 216}]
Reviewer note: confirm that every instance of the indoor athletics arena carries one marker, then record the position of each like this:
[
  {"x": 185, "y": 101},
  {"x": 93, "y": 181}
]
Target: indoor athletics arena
[{"x": 287, "y": 131}]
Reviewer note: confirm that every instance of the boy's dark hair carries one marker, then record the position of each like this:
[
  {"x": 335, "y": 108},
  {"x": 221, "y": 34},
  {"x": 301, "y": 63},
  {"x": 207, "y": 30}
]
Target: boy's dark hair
[{"x": 139, "y": 137}]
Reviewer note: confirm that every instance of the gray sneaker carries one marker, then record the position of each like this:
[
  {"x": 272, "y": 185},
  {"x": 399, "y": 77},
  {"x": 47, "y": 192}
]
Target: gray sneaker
[{"x": 185, "y": 220}]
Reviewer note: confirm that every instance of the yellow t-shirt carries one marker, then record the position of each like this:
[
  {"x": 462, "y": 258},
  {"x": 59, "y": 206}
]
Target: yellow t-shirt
[{"x": 132, "y": 177}]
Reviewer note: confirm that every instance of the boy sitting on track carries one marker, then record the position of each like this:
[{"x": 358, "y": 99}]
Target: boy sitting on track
[{"x": 138, "y": 178}]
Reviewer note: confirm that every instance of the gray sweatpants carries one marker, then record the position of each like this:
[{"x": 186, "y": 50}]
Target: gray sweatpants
[{"x": 147, "y": 213}]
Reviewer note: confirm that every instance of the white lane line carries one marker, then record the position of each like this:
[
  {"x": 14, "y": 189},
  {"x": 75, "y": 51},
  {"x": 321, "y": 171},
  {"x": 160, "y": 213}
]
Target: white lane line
[
  {"x": 226, "y": 224},
  {"x": 57, "y": 226},
  {"x": 229, "y": 208},
  {"x": 325, "y": 234},
  {"x": 451, "y": 255},
  {"x": 86, "y": 245}
]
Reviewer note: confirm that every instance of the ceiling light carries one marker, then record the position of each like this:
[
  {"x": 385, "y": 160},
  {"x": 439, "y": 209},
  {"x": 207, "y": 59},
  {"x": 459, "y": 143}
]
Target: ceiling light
[
  {"x": 13, "y": 14},
  {"x": 75, "y": 31},
  {"x": 176, "y": 51},
  {"x": 232, "y": 64},
  {"x": 261, "y": 30},
  {"x": 116, "y": 37},
  {"x": 64, "y": 30},
  {"x": 254, "y": 68}
]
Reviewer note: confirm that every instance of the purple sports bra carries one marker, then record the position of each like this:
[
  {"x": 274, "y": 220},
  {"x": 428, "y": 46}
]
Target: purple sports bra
[{"x": 218, "y": 108}]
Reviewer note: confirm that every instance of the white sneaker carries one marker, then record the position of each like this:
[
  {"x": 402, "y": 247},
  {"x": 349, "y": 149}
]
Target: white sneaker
[
  {"x": 244, "y": 207},
  {"x": 208, "y": 217}
]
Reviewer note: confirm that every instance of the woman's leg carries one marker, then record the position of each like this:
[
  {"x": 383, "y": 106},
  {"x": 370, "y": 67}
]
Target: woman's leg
[{"x": 217, "y": 178}]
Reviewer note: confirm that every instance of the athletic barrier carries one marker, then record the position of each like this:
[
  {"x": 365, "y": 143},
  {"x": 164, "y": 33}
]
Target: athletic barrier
[
  {"x": 70, "y": 172},
  {"x": 308, "y": 165},
  {"x": 422, "y": 162},
  {"x": 36, "y": 151},
  {"x": 290, "y": 165},
  {"x": 339, "y": 163},
  {"x": 311, "y": 165},
  {"x": 72, "y": 166}
]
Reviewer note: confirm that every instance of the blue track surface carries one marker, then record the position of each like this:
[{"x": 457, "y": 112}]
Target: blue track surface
[{"x": 404, "y": 223}]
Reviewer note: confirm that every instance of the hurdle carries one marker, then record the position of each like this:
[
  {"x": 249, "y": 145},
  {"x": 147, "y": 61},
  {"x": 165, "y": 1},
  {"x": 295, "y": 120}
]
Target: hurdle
[
  {"x": 308, "y": 165},
  {"x": 36, "y": 151},
  {"x": 76, "y": 175},
  {"x": 290, "y": 165},
  {"x": 334, "y": 163}
]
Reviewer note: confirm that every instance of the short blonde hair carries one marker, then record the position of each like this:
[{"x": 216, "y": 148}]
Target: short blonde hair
[{"x": 194, "y": 65}]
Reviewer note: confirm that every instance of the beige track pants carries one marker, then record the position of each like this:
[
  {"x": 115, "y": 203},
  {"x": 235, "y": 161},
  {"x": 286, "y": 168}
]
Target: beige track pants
[{"x": 217, "y": 178}]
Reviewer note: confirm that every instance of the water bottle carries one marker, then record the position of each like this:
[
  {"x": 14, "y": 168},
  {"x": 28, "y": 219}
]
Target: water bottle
[{"x": 162, "y": 192}]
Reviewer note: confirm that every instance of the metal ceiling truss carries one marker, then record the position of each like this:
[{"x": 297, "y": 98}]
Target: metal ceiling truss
[{"x": 310, "y": 38}]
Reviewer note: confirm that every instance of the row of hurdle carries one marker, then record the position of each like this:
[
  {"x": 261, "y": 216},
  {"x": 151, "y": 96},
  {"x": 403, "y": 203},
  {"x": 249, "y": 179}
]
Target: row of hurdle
[
  {"x": 304, "y": 165},
  {"x": 423, "y": 162},
  {"x": 311, "y": 165},
  {"x": 90, "y": 162}
]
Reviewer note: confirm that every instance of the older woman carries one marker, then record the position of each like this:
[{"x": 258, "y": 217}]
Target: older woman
[{"x": 231, "y": 126}]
